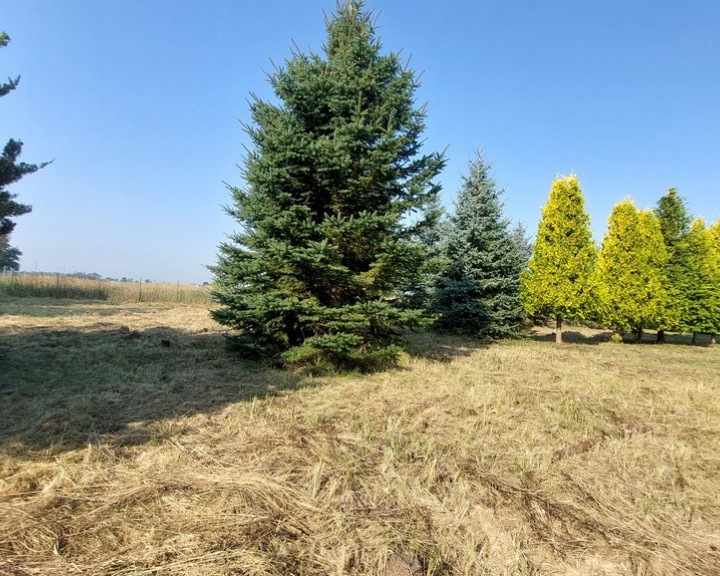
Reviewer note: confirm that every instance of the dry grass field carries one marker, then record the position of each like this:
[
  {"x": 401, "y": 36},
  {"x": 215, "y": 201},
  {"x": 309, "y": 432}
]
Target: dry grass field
[
  {"x": 22, "y": 284},
  {"x": 133, "y": 443}
]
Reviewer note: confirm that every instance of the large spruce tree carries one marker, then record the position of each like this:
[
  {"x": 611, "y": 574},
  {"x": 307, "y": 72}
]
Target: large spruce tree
[
  {"x": 478, "y": 292},
  {"x": 558, "y": 280},
  {"x": 631, "y": 271},
  {"x": 336, "y": 187},
  {"x": 674, "y": 220}
]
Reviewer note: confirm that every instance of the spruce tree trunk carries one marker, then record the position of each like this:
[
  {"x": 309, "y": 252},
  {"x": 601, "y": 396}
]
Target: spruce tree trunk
[
  {"x": 638, "y": 335},
  {"x": 558, "y": 330},
  {"x": 694, "y": 337},
  {"x": 660, "y": 337}
]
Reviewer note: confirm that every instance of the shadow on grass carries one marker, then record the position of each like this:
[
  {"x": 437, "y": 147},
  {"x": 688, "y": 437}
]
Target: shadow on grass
[
  {"x": 442, "y": 347},
  {"x": 54, "y": 307},
  {"x": 62, "y": 389},
  {"x": 601, "y": 336},
  {"x": 574, "y": 337}
]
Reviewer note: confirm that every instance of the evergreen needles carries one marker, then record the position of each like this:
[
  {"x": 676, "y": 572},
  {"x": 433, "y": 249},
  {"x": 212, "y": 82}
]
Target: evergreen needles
[
  {"x": 336, "y": 192},
  {"x": 478, "y": 292},
  {"x": 558, "y": 281}
]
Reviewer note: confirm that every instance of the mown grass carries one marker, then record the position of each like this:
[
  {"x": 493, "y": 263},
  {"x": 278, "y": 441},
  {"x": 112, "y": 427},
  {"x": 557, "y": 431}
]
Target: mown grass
[
  {"x": 68, "y": 287},
  {"x": 132, "y": 442}
]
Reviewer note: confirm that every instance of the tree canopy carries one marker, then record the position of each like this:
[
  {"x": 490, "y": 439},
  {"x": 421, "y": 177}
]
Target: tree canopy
[
  {"x": 558, "y": 280},
  {"x": 11, "y": 170},
  {"x": 335, "y": 197},
  {"x": 631, "y": 271},
  {"x": 478, "y": 292},
  {"x": 698, "y": 280}
]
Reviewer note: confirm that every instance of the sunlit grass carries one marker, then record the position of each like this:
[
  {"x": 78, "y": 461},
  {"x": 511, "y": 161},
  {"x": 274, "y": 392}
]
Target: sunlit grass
[{"x": 133, "y": 442}]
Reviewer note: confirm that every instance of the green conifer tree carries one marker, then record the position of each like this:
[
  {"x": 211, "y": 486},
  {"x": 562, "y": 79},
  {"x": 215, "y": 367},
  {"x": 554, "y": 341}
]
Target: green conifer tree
[
  {"x": 558, "y": 280},
  {"x": 10, "y": 172},
  {"x": 674, "y": 220},
  {"x": 631, "y": 271},
  {"x": 521, "y": 244},
  {"x": 418, "y": 290},
  {"x": 329, "y": 217},
  {"x": 698, "y": 280},
  {"x": 9, "y": 256},
  {"x": 478, "y": 292}
]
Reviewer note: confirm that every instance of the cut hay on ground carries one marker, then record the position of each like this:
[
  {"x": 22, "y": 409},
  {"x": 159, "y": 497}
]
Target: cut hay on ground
[{"x": 133, "y": 443}]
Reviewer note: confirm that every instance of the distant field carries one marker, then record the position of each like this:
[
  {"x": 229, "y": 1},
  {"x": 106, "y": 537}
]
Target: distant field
[
  {"x": 68, "y": 287},
  {"x": 132, "y": 442}
]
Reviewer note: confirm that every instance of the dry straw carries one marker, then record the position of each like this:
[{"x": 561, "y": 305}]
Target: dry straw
[
  {"x": 69, "y": 287},
  {"x": 512, "y": 458}
]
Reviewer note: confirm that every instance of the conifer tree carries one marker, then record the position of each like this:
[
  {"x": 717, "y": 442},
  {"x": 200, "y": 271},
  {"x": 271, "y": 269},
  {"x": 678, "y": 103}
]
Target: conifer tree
[
  {"x": 714, "y": 232},
  {"x": 558, "y": 280},
  {"x": 673, "y": 217},
  {"x": 714, "y": 238},
  {"x": 521, "y": 244},
  {"x": 418, "y": 290},
  {"x": 698, "y": 280},
  {"x": 333, "y": 173},
  {"x": 9, "y": 256},
  {"x": 478, "y": 292},
  {"x": 631, "y": 271},
  {"x": 10, "y": 172},
  {"x": 674, "y": 221}
]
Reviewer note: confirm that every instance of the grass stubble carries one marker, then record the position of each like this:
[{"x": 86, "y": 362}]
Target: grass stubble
[{"x": 132, "y": 442}]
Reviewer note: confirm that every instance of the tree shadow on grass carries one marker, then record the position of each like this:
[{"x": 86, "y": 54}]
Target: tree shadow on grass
[
  {"x": 574, "y": 337},
  {"x": 443, "y": 348},
  {"x": 589, "y": 336},
  {"x": 62, "y": 389}
]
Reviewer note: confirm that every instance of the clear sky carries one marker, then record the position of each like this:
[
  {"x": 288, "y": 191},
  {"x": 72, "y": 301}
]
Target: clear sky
[{"x": 138, "y": 103}]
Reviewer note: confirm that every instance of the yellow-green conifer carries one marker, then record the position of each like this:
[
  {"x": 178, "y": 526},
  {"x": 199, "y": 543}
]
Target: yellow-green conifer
[
  {"x": 558, "y": 280},
  {"x": 714, "y": 234},
  {"x": 631, "y": 271},
  {"x": 714, "y": 237}
]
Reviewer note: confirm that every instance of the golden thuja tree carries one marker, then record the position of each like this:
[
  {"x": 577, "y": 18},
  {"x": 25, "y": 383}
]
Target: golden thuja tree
[
  {"x": 714, "y": 239},
  {"x": 631, "y": 272},
  {"x": 714, "y": 236},
  {"x": 558, "y": 280}
]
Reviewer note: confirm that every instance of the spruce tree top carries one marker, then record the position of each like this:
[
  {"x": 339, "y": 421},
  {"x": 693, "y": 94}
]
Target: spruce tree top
[
  {"x": 357, "y": 125},
  {"x": 673, "y": 217}
]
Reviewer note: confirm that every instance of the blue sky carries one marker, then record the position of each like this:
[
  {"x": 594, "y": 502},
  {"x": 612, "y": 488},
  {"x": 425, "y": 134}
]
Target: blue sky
[{"x": 138, "y": 103}]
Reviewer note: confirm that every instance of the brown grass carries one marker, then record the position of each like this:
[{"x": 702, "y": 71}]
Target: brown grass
[{"x": 133, "y": 443}]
